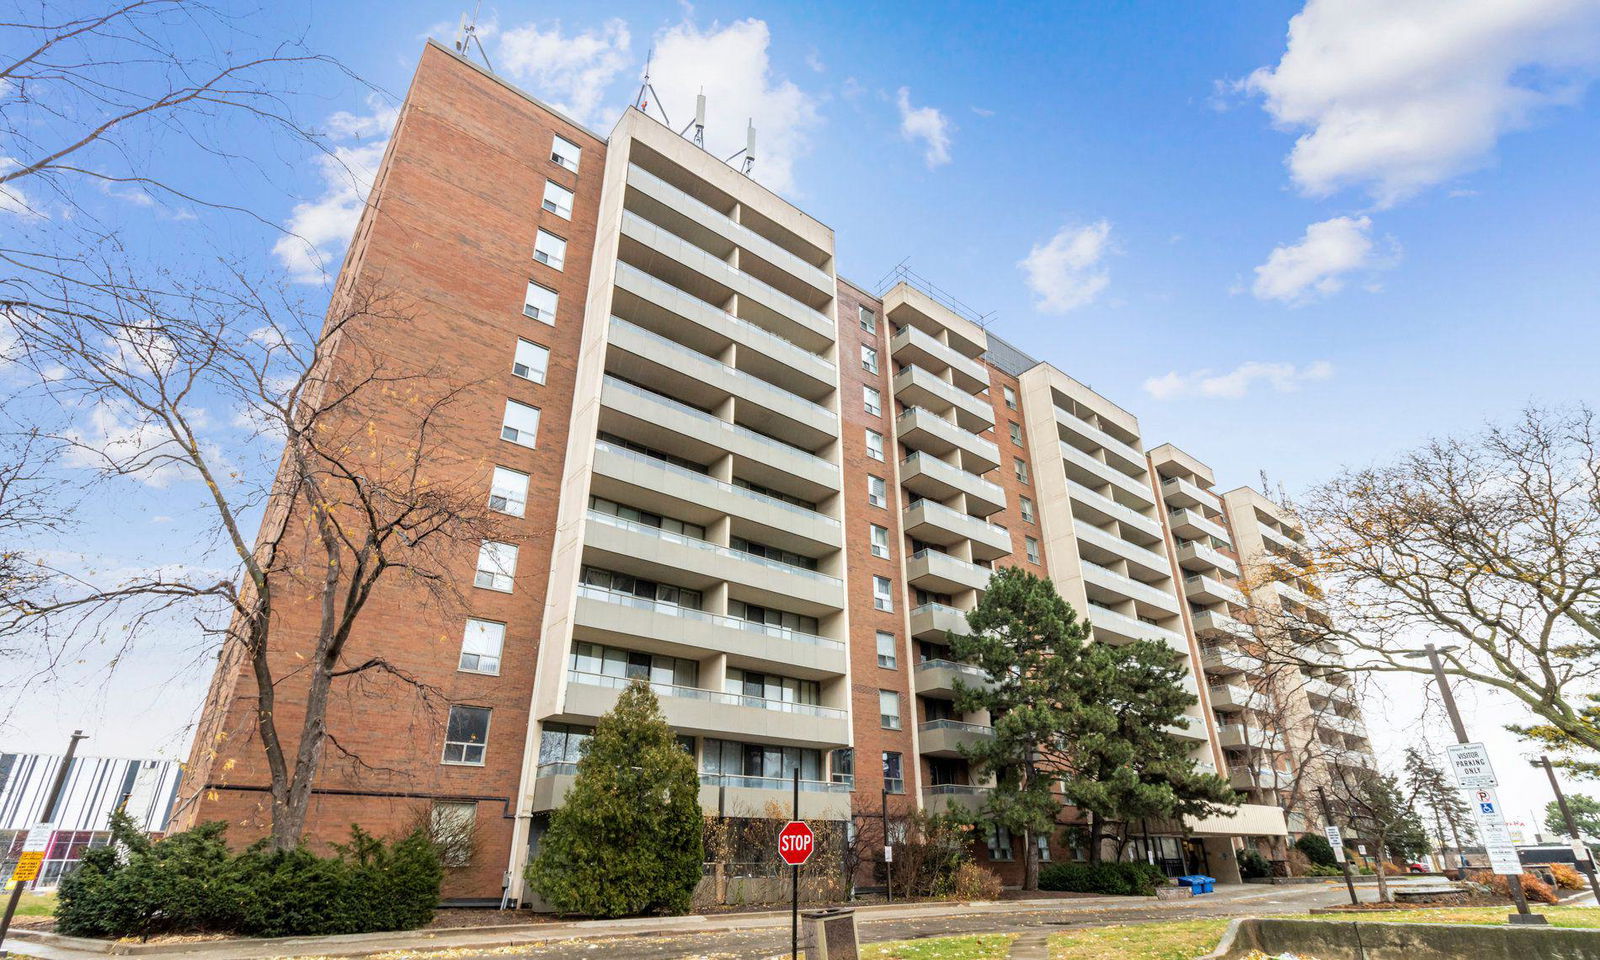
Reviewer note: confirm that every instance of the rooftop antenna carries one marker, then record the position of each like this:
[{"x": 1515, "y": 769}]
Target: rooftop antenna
[
  {"x": 749, "y": 151},
  {"x": 467, "y": 35},
  {"x": 699, "y": 122},
  {"x": 647, "y": 90}
]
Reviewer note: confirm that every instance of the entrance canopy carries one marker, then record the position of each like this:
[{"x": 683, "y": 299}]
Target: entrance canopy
[{"x": 1249, "y": 820}]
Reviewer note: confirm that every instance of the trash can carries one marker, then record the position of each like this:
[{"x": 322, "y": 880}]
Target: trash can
[
  {"x": 1198, "y": 883},
  {"x": 829, "y": 934}
]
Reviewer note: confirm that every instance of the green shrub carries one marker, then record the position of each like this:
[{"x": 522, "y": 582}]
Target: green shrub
[
  {"x": 1317, "y": 849},
  {"x": 1120, "y": 879},
  {"x": 1252, "y": 865},
  {"x": 191, "y": 883},
  {"x": 1318, "y": 870}
]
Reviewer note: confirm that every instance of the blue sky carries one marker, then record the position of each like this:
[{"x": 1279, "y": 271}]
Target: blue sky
[{"x": 1282, "y": 252}]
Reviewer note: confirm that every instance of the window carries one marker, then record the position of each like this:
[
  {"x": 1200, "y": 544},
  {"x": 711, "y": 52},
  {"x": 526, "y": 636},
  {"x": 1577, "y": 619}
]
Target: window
[
  {"x": 873, "y": 400},
  {"x": 540, "y": 303},
  {"x": 1011, "y": 397},
  {"x": 754, "y": 688},
  {"x": 874, "y": 444},
  {"x": 531, "y": 361},
  {"x": 1026, "y": 506},
  {"x": 843, "y": 766},
  {"x": 998, "y": 840},
  {"x": 480, "y": 647},
  {"x": 465, "y": 735},
  {"x": 497, "y": 566},
  {"x": 877, "y": 491},
  {"x": 740, "y": 764},
  {"x": 869, "y": 320},
  {"x": 550, "y": 250},
  {"x": 893, "y": 779},
  {"x": 508, "y": 491},
  {"x": 880, "y": 541},
  {"x": 886, "y": 650},
  {"x": 451, "y": 826},
  {"x": 1021, "y": 469},
  {"x": 521, "y": 425},
  {"x": 597, "y": 664},
  {"x": 889, "y": 709},
  {"x": 1043, "y": 840},
  {"x": 566, "y": 153},
  {"x": 882, "y": 593},
  {"x": 1032, "y": 546},
  {"x": 561, "y": 747},
  {"x": 869, "y": 359},
  {"x": 557, "y": 199},
  {"x": 1016, "y": 432}
]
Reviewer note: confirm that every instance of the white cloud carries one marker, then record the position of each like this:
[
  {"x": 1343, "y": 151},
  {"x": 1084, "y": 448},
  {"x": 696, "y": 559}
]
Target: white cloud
[
  {"x": 572, "y": 71},
  {"x": 1398, "y": 95},
  {"x": 731, "y": 66},
  {"x": 1067, "y": 272},
  {"x": 115, "y": 437},
  {"x": 928, "y": 125},
  {"x": 1317, "y": 265},
  {"x": 319, "y": 229},
  {"x": 13, "y": 199},
  {"x": 1280, "y": 377}
]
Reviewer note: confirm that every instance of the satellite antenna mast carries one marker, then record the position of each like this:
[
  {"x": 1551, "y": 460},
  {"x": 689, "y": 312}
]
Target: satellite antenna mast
[
  {"x": 648, "y": 90},
  {"x": 467, "y": 35},
  {"x": 699, "y": 122},
  {"x": 749, "y": 151}
]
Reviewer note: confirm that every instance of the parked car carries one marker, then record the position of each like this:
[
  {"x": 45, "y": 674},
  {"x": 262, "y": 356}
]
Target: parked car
[{"x": 1416, "y": 866}]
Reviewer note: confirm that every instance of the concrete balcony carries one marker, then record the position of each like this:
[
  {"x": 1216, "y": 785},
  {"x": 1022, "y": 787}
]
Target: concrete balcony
[
  {"x": 935, "y": 621},
  {"x": 1191, "y": 525},
  {"x": 1084, "y": 435},
  {"x": 1183, "y": 492},
  {"x": 1103, "y": 547},
  {"x": 654, "y": 303},
  {"x": 649, "y": 551},
  {"x": 933, "y": 522},
  {"x": 750, "y": 796},
  {"x": 1097, "y": 509},
  {"x": 945, "y": 738},
  {"x": 1119, "y": 628},
  {"x": 924, "y": 430},
  {"x": 671, "y": 490},
  {"x": 914, "y": 346},
  {"x": 1226, "y": 661},
  {"x": 1111, "y": 587},
  {"x": 927, "y": 476},
  {"x": 937, "y": 678},
  {"x": 663, "y": 422},
  {"x": 1087, "y": 470},
  {"x": 1285, "y": 543},
  {"x": 1358, "y": 759},
  {"x": 1292, "y": 594},
  {"x": 945, "y": 797},
  {"x": 723, "y": 226},
  {"x": 916, "y": 387},
  {"x": 643, "y": 356},
  {"x": 1203, "y": 589},
  {"x": 637, "y": 623},
  {"x": 1199, "y": 557},
  {"x": 712, "y": 713},
  {"x": 759, "y": 302},
  {"x": 1241, "y": 736},
  {"x": 1230, "y": 698},
  {"x": 941, "y": 573},
  {"x": 1316, "y": 687},
  {"x": 1188, "y": 728},
  {"x": 1214, "y": 623},
  {"x": 1259, "y": 778},
  {"x": 1346, "y": 725}
]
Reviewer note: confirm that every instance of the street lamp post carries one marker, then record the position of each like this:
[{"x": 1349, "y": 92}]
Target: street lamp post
[
  {"x": 1524, "y": 915},
  {"x": 1587, "y": 863}
]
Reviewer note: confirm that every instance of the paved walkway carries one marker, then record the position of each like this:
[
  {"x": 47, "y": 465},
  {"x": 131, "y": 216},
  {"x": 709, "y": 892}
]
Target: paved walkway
[{"x": 1034, "y": 945}]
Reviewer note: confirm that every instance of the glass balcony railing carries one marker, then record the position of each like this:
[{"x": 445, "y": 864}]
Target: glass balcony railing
[
  {"x": 722, "y": 620},
  {"x": 771, "y": 783},
  {"x": 709, "y": 696}
]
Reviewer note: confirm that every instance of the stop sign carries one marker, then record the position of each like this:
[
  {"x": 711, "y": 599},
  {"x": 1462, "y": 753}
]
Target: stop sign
[{"x": 795, "y": 842}]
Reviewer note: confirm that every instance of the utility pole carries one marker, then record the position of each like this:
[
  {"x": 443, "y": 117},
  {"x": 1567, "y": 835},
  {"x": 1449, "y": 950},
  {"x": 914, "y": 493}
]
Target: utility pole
[
  {"x": 1587, "y": 863},
  {"x": 50, "y": 804},
  {"x": 1338, "y": 852}
]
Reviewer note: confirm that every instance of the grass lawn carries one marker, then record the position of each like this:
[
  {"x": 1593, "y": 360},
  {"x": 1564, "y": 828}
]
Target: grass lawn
[
  {"x": 986, "y": 946},
  {"x": 37, "y": 905},
  {"x": 1583, "y": 917},
  {"x": 1182, "y": 940}
]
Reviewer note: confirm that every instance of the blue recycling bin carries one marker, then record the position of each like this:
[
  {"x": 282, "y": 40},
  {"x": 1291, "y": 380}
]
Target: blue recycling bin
[{"x": 1198, "y": 883}]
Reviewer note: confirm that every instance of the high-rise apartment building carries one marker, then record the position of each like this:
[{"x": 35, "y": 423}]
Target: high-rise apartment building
[{"x": 767, "y": 491}]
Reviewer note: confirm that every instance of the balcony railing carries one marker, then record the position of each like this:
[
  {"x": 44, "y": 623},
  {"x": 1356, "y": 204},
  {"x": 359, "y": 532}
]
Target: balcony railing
[
  {"x": 710, "y": 481},
  {"x": 993, "y": 491},
  {"x": 722, "y": 620},
  {"x": 708, "y": 546},
  {"x": 959, "y": 726},
  {"x": 965, "y": 669},
  {"x": 700, "y": 693},
  {"x": 739, "y": 781}
]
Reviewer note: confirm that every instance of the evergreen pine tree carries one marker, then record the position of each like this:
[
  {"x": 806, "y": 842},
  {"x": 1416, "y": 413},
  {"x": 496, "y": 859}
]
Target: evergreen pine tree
[{"x": 629, "y": 838}]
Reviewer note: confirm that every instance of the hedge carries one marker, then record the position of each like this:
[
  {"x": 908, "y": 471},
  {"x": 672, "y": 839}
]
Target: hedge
[
  {"x": 1317, "y": 849},
  {"x": 1122, "y": 879},
  {"x": 191, "y": 882}
]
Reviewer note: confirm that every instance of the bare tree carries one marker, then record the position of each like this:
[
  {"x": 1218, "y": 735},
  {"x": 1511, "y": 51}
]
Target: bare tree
[
  {"x": 367, "y": 490},
  {"x": 1488, "y": 545}
]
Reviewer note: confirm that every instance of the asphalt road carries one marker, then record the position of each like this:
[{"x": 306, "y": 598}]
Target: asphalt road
[{"x": 758, "y": 944}]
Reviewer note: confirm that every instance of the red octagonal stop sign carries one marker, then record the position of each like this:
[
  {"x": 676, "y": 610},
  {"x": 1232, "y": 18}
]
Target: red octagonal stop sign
[{"x": 795, "y": 842}]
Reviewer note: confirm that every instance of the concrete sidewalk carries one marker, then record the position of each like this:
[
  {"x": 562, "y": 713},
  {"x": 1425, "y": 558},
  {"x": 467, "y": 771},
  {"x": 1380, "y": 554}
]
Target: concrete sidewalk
[{"x": 49, "y": 946}]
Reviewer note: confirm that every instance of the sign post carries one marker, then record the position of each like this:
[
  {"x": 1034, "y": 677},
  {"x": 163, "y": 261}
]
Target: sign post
[
  {"x": 1469, "y": 764},
  {"x": 795, "y": 844},
  {"x": 1474, "y": 774},
  {"x": 38, "y": 840},
  {"x": 1336, "y": 841}
]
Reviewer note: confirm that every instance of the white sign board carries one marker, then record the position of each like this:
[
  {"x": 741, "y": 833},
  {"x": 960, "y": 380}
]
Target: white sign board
[
  {"x": 38, "y": 840},
  {"x": 888, "y": 854},
  {"x": 1503, "y": 858},
  {"x": 1469, "y": 765},
  {"x": 1335, "y": 841},
  {"x": 1580, "y": 851}
]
